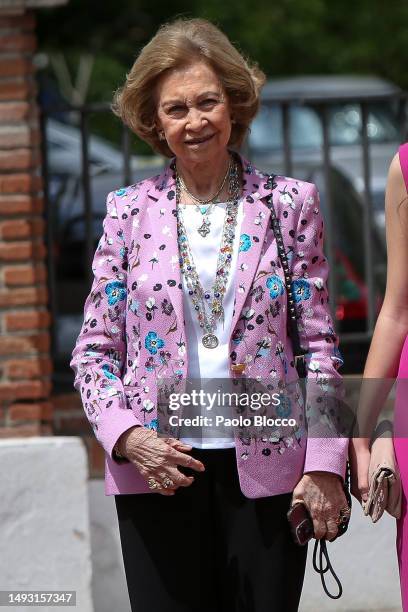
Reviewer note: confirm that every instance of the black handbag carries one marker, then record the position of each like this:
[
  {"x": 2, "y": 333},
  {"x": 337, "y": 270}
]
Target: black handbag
[{"x": 299, "y": 353}]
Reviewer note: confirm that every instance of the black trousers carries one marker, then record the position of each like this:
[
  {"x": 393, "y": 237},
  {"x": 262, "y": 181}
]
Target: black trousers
[{"x": 208, "y": 547}]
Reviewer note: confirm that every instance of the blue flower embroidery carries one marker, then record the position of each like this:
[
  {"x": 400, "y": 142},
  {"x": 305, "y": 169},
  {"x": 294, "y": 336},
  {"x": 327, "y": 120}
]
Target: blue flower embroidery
[
  {"x": 107, "y": 372},
  {"x": 153, "y": 342},
  {"x": 301, "y": 289},
  {"x": 275, "y": 286},
  {"x": 120, "y": 192},
  {"x": 116, "y": 292},
  {"x": 244, "y": 242},
  {"x": 152, "y": 425},
  {"x": 284, "y": 407}
]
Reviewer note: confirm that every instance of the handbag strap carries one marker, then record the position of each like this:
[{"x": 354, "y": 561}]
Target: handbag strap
[
  {"x": 300, "y": 363},
  {"x": 320, "y": 552},
  {"x": 298, "y": 351}
]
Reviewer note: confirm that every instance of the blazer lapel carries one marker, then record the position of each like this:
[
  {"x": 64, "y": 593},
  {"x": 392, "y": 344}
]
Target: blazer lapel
[
  {"x": 255, "y": 223},
  {"x": 163, "y": 220}
]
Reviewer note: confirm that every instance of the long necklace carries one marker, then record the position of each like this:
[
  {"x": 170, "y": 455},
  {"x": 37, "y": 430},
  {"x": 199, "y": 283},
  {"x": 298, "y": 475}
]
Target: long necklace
[
  {"x": 205, "y": 226},
  {"x": 200, "y": 298}
]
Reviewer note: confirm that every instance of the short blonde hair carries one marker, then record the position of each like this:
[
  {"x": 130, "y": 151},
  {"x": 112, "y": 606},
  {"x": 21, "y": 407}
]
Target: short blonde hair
[{"x": 176, "y": 44}]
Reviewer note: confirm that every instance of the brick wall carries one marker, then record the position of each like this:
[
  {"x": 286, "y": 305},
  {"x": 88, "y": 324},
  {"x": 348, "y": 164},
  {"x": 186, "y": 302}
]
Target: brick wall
[
  {"x": 25, "y": 364},
  {"x": 27, "y": 405}
]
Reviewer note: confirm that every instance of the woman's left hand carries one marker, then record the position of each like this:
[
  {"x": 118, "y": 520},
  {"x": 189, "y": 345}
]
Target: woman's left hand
[{"x": 323, "y": 495}]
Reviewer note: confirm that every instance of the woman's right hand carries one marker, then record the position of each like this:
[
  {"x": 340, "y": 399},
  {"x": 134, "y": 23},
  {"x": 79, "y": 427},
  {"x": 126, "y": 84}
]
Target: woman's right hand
[
  {"x": 158, "y": 458},
  {"x": 359, "y": 455}
]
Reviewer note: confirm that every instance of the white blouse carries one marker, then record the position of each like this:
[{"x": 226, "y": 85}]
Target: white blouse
[{"x": 209, "y": 363}]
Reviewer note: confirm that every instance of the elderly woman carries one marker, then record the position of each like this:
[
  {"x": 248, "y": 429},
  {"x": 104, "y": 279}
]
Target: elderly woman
[{"x": 188, "y": 283}]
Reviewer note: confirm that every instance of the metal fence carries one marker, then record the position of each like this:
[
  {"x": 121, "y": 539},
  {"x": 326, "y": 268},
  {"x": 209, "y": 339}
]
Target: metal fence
[
  {"x": 322, "y": 107},
  {"x": 126, "y": 176}
]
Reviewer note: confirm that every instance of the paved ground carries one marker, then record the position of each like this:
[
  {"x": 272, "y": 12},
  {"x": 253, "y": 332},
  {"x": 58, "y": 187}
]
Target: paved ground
[
  {"x": 364, "y": 560},
  {"x": 366, "y": 563}
]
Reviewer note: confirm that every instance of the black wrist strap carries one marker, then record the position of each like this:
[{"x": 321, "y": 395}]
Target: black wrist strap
[
  {"x": 328, "y": 568},
  {"x": 300, "y": 363}
]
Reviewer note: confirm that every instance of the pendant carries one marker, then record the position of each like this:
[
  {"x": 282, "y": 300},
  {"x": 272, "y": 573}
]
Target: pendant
[
  {"x": 210, "y": 341},
  {"x": 204, "y": 228}
]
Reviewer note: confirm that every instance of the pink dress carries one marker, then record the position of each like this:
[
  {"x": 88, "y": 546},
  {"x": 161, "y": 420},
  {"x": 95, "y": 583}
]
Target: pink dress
[{"x": 401, "y": 436}]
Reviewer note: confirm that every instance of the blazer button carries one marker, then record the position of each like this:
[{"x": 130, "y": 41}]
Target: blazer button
[{"x": 238, "y": 367}]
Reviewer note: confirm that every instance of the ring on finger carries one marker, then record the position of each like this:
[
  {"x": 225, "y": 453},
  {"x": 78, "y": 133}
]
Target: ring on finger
[
  {"x": 153, "y": 484},
  {"x": 344, "y": 515},
  {"x": 167, "y": 482}
]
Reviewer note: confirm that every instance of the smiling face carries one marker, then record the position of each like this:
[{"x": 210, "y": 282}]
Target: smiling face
[{"x": 193, "y": 112}]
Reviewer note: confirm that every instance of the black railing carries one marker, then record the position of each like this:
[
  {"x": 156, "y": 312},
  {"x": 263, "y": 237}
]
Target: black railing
[{"x": 84, "y": 184}]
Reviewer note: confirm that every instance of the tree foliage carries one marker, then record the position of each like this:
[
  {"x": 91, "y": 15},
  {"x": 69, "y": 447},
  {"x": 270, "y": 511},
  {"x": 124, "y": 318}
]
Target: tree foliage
[{"x": 286, "y": 38}]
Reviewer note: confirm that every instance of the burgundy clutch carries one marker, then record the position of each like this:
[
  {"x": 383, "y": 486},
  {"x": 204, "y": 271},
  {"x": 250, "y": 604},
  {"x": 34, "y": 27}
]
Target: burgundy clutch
[{"x": 301, "y": 524}]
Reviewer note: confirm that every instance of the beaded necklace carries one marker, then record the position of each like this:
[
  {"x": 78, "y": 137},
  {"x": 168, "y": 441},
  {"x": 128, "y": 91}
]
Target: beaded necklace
[{"x": 212, "y": 299}]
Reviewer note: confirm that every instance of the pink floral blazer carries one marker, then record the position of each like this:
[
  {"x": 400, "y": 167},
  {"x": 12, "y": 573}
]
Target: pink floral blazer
[{"x": 133, "y": 334}]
